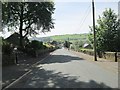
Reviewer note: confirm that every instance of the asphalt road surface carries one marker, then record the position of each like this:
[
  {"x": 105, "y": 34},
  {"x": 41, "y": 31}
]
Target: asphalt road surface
[{"x": 63, "y": 69}]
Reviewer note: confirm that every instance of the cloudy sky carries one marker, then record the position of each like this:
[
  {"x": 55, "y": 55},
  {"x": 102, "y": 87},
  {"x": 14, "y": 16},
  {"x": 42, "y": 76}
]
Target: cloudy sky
[{"x": 75, "y": 16}]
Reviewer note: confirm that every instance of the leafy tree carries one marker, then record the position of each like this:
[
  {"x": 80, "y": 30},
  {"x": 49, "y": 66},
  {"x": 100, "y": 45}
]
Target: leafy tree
[
  {"x": 67, "y": 44},
  {"x": 107, "y": 32},
  {"x": 28, "y": 17},
  {"x": 36, "y": 45},
  {"x": 78, "y": 44}
]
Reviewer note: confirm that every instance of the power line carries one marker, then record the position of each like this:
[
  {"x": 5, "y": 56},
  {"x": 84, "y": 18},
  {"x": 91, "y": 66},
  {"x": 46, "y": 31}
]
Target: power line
[
  {"x": 85, "y": 16},
  {"x": 84, "y": 19}
]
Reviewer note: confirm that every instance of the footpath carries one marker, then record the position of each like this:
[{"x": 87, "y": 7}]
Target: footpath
[
  {"x": 107, "y": 64},
  {"x": 13, "y": 72}
]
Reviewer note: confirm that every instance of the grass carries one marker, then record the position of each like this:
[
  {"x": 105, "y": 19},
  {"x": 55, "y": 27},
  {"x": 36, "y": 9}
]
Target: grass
[
  {"x": 85, "y": 49},
  {"x": 71, "y": 37}
]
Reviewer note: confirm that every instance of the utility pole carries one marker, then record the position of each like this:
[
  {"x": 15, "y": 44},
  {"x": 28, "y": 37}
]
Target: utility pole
[
  {"x": 95, "y": 56},
  {"x": 68, "y": 43}
]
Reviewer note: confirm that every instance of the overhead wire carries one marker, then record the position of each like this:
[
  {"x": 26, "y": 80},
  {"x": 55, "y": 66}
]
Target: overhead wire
[{"x": 87, "y": 12}]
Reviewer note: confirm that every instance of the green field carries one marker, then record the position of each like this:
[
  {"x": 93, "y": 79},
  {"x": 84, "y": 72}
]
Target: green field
[{"x": 70, "y": 37}]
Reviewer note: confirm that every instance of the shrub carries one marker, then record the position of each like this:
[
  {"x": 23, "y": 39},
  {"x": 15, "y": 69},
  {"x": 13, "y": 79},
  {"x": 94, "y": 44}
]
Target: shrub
[
  {"x": 8, "y": 57},
  {"x": 7, "y": 48},
  {"x": 35, "y": 44}
]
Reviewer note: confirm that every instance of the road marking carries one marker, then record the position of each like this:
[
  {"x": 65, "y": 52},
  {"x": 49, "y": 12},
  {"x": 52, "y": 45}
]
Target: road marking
[
  {"x": 26, "y": 72},
  {"x": 16, "y": 80},
  {"x": 39, "y": 61}
]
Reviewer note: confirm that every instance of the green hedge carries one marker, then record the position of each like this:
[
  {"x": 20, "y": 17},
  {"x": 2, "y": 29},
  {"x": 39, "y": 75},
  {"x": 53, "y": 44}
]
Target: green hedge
[
  {"x": 87, "y": 51},
  {"x": 8, "y": 59},
  {"x": 36, "y": 53}
]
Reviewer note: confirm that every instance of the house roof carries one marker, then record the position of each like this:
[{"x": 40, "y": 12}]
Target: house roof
[{"x": 15, "y": 39}]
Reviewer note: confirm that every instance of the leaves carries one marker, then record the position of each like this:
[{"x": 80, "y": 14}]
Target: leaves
[
  {"x": 28, "y": 17},
  {"x": 35, "y": 15},
  {"x": 107, "y": 32}
]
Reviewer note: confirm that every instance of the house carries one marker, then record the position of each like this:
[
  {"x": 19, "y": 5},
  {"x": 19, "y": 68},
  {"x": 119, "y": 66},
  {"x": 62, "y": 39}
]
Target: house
[
  {"x": 14, "y": 39},
  {"x": 88, "y": 46}
]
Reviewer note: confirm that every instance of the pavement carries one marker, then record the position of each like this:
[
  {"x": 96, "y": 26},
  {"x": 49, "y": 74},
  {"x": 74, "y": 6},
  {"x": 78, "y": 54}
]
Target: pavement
[
  {"x": 110, "y": 65},
  {"x": 12, "y": 72},
  {"x": 65, "y": 69}
]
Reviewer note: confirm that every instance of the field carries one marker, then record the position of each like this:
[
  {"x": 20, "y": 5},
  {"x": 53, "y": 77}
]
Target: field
[{"x": 70, "y": 37}]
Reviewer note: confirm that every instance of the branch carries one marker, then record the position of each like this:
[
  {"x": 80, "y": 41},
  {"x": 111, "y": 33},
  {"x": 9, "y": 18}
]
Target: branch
[
  {"x": 26, "y": 34},
  {"x": 28, "y": 26}
]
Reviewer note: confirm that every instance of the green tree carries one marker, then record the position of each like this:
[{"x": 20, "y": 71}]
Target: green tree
[
  {"x": 28, "y": 17},
  {"x": 107, "y": 32},
  {"x": 67, "y": 44},
  {"x": 36, "y": 45},
  {"x": 78, "y": 44}
]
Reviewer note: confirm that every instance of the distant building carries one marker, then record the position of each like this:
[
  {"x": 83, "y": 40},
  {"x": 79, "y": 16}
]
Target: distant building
[
  {"x": 14, "y": 39},
  {"x": 88, "y": 46},
  {"x": 119, "y": 10}
]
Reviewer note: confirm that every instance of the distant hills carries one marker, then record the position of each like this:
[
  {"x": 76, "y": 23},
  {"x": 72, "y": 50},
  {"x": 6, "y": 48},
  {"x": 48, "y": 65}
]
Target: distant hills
[
  {"x": 62, "y": 38},
  {"x": 70, "y": 37},
  {"x": 43, "y": 39}
]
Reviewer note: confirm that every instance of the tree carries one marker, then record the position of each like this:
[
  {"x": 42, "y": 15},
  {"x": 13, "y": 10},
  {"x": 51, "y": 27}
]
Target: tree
[
  {"x": 78, "y": 44},
  {"x": 67, "y": 44},
  {"x": 28, "y": 17},
  {"x": 107, "y": 32}
]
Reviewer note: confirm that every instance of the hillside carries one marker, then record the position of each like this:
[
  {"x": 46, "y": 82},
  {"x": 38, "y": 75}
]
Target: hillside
[
  {"x": 71, "y": 37},
  {"x": 62, "y": 38}
]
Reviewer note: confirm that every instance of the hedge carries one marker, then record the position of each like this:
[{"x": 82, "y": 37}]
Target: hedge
[{"x": 106, "y": 55}]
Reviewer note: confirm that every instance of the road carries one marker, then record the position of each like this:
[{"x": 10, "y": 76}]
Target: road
[{"x": 63, "y": 69}]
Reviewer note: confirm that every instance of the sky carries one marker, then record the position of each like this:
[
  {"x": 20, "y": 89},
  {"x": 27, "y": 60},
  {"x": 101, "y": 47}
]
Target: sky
[{"x": 75, "y": 16}]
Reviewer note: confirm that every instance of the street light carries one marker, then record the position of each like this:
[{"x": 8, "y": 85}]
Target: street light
[{"x": 16, "y": 59}]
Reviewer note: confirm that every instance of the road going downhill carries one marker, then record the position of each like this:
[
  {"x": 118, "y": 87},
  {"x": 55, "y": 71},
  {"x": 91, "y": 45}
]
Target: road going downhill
[{"x": 63, "y": 69}]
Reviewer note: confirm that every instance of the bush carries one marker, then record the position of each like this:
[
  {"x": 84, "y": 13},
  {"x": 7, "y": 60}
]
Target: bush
[
  {"x": 44, "y": 47},
  {"x": 36, "y": 48},
  {"x": 35, "y": 45},
  {"x": 7, "y": 48},
  {"x": 8, "y": 57}
]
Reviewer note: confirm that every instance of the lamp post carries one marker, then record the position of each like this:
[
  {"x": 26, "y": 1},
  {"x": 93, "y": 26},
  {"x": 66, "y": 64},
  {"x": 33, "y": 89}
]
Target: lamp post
[
  {"x": 68, "y": 44},
  {"x": 16, "y": 59}
]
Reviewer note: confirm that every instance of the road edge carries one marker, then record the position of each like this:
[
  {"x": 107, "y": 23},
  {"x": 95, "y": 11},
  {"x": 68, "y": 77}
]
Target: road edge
[{"x": 4, "y": 88}]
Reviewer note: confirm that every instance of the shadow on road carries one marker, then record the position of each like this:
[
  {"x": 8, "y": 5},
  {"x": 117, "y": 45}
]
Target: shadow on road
[
  {"x": 12, "y": 72},
  {"x": 60, "y": 59},
  {"x": 49, "y": 79}
]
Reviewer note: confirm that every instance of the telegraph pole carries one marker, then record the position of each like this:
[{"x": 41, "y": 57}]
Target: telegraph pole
[
  {"x": 95, "y": 56},
  {"x": 68, "y": 44}
]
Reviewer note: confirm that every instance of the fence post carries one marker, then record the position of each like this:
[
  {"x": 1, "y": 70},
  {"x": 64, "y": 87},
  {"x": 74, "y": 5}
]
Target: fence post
[{"x": 115, "y": 56}]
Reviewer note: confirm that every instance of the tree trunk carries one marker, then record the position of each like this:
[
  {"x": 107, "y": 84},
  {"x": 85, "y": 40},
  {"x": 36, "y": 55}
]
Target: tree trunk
[
  {"x": 21, "y": 38},
  {"x": 21, "y": 25}
]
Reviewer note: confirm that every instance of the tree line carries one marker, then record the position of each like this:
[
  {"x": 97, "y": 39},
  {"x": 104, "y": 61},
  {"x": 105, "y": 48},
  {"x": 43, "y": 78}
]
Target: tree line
[
  {"x": 107, "y": 32},
  {"x": 29, "y": 18}
]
